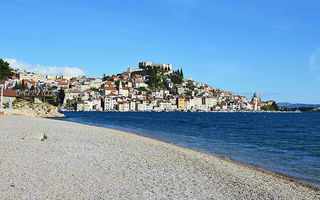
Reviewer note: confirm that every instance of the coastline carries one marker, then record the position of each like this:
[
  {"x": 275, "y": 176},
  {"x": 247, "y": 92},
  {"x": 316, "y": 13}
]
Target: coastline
[
  {"x": 277, "y": 175},
  {"x": 239, "y": 178},
  {"x": 177, "y": 111}
]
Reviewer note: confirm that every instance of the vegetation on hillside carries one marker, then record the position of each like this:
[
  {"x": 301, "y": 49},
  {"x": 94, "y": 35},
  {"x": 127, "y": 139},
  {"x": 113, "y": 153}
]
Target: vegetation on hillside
[
  {"x": 272, "y": 107},
  {"x": 303, "y": 109},
  {"x": 177, "y": 77},
  {"x": 141, "y": 89},
  {"x": 107, "y": 78},
  {"x": 190, "y": 85},
  {"x": 5, "y": 70},
  {"x": 156, "y": 78},
  {"x": 118, "y": 83}
]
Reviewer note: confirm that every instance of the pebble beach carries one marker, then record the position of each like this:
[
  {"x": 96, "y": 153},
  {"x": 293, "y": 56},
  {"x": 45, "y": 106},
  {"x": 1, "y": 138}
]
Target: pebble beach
[{"x": 79, "y": 161}]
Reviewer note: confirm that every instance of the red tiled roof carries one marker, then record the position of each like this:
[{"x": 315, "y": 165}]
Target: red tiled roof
[
  {"x": 112, "y": 95},
  {"x": 109, "y": 83},
  {"x": 110, "y": 88},
  {"x": 62, "y": 83}
]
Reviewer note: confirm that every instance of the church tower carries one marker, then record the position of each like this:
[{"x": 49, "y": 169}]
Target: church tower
[
  {"x": 256, "y": 100},
  {"x": 120, "y": 87}
]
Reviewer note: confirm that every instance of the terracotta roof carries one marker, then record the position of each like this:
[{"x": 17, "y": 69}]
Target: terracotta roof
[
  {"x": 112, "y": 95},
  {"x": 109, "y": 83},
  {"x": 63, "y": 83},
  {"x": 110, "y": 88}
]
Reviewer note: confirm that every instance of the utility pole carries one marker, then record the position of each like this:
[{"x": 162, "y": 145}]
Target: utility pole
[{"x": 1, "y": 102}]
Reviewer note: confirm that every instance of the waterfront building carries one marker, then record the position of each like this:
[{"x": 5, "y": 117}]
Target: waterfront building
[{"x": 180, "y": 103}]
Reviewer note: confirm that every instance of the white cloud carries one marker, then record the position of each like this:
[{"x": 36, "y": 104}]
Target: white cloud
[
  {"x": 45, "y": 70},
  {"x": 314, "y": 63},
  {"x": 314, "y": 60}
]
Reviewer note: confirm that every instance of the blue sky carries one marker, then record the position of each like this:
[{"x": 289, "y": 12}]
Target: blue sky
[{"x": 272, "y": 47}]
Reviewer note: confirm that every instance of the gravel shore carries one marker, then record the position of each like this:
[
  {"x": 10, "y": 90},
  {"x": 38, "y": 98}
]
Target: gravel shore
[{"x": 86, "y": 162}]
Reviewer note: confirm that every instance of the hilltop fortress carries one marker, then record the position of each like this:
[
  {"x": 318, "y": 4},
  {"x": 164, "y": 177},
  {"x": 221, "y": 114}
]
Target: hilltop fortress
[{"x": 145, "y": 65}]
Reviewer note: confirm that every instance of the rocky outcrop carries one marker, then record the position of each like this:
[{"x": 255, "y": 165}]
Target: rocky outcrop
[{"x": 26, "y": 108}]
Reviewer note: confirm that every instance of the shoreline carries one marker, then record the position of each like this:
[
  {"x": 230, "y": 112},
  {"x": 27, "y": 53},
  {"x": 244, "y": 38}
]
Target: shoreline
[
  {"x": 140, "y": 158},
  {"x": 277, "y": 175},
  {"x": 184, "y": 111}
]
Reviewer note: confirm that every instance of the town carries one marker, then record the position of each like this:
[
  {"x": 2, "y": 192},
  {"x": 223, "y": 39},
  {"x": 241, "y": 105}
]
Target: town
[{"x": 149, "y": 87}]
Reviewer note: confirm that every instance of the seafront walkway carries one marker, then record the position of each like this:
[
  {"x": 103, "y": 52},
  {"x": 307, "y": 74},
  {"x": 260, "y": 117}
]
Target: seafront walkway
[{"x": 79, "y": 161}]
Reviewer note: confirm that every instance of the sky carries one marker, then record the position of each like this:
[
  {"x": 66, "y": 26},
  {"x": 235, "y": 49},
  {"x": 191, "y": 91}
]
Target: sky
[{"x": 272, "y": 47}]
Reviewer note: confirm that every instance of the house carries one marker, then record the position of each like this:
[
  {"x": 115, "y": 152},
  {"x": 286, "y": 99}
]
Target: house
[
  {"x": 197, "y": 102},
  {"x": 109, "y": 90},
  {"x": 126, "y": 106},
  {"x": 71, "y": 95},
  {"x": 141, "y": 107},
  {"x": 110, "y": 101},
  {"x": 180, "y": 103},
  {"x": 62, "y": 85},
  {"x": 179, "y": 90},
  {"x": 120, "y": 106},
  {"x": 132, "y": 105}
]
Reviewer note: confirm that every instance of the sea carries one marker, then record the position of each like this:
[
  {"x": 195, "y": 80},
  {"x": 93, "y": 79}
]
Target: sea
[{"x": 284, "y": 143}]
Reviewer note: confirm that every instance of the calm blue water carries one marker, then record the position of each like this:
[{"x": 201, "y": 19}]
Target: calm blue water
[{"x": 286, "y": 143}]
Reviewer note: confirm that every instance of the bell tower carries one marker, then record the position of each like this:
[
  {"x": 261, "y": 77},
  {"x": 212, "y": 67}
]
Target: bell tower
[{"x": 120, "y": 87}]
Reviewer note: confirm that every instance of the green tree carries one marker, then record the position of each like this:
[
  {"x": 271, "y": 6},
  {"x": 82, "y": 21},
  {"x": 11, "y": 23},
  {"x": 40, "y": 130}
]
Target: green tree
[
  {"x": 117, "y": 83},
  {"x": 94, "y": 89},
  {"x": 141, "y": 89},
  {"x": 272, "y": 107},
  {"x": 61, "y": 96},
  {"x": 175, "y": 78},
  {"x": 155, "y": 79},
  {"x": 106, "y": 78},
  {"x": 190, "y": 84},
  {"x": 68, "y": 104},
  {"x": 23, "y": 86},
  {"x": 5, "y": 70}
]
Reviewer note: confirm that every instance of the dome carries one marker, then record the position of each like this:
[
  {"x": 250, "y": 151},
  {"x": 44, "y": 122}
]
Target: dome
[{"x": 256, "y": 95}]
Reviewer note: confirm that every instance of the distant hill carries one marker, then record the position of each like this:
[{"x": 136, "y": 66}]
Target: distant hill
[{"x": 294, "y": 105}]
